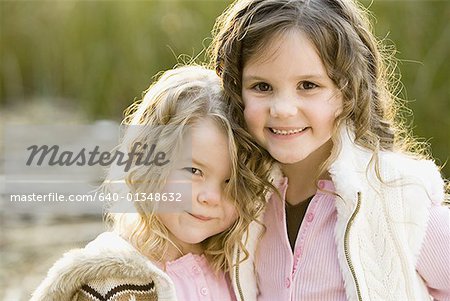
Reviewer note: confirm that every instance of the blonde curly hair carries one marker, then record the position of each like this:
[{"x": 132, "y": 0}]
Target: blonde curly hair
[{"x": 179, "y": 98}]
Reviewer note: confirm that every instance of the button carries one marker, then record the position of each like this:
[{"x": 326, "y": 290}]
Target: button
[
  {"x": 204, "y": 291},
  {"x": 309, "y": 217},
  {"x": 298, "y": 252},
  {"x": 321, "y": 184},
  {"x": 195, "y": 270},
  {"x": 287, "y": 282}
]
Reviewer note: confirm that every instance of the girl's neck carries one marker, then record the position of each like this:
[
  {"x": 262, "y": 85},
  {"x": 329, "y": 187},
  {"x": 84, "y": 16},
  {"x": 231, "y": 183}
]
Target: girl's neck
[
  {"x": 302, "y": 175},
  {"x": 173, "y": 253}
]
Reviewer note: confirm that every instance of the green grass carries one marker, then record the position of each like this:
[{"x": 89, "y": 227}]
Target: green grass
[{"x": 100, "y": 55}]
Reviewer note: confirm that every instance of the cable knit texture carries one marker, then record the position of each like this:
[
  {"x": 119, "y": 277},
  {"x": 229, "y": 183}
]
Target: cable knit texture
[{"x": 388, "y": 231}]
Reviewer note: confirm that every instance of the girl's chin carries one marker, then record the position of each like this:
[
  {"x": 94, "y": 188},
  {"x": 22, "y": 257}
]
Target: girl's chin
[{"x": 287, "y": 159}]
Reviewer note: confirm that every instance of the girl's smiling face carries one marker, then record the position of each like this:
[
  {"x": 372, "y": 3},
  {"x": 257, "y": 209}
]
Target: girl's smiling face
[
  {"x": 290, "y": 101},
  {"x": 205, "y": 167}
]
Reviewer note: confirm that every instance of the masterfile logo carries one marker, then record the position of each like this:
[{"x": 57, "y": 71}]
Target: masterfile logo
[
  {"x": 140, "y": 154},
  {"x": 61, "y": 167}
]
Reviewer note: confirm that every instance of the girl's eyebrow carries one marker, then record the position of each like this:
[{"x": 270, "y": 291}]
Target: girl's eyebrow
[
  {"x": 191, "y": 160},
  {"x": 252, "y": 77},
  {"x": 199, "y": 163},
  {"x": 313, "y": 76}
]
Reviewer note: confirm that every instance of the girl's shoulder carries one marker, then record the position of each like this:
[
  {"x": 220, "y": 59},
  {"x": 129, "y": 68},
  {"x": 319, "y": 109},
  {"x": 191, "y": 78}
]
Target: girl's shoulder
[
  {"x": 107, "y": 265},
  {"x": 410, "y": 165},
  {"x": 411, "y": 170}
]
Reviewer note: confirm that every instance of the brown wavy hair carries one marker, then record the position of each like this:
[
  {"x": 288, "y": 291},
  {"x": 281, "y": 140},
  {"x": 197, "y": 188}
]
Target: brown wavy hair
[
  {"x": 177, "y": 100},
  {"x": 363, "y": 68}
]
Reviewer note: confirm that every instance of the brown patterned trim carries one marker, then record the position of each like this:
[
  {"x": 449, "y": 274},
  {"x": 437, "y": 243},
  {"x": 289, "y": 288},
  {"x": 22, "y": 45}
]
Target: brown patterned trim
[
  {"x": 92, "y": 293},
  {"x": 128, "y": 288}
]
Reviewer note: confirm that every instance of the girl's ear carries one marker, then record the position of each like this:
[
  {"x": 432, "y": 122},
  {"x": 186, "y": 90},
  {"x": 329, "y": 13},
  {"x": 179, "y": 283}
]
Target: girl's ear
[
  {"x": 339, "y": 99},
  {"x": 338, "y": 111}
]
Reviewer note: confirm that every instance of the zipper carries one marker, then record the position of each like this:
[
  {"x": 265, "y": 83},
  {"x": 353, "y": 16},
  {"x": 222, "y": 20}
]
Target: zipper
[
  {"x": 346, "y": 248},
  {"x": 238, "y": 283}
]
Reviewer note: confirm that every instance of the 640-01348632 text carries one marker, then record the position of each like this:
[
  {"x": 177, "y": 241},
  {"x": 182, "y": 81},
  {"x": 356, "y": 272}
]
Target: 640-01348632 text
[{"x": 97, "y": 196}]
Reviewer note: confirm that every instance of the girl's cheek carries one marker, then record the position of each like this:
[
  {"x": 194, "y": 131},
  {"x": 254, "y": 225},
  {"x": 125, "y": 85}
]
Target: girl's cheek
[
  {"x": 251, "y": 109},
  {"x": 249, "y": 117}
]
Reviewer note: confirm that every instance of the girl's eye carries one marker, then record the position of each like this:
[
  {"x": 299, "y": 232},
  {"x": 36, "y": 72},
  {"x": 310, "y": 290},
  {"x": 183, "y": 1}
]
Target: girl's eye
[
  {"x": 227, "y": 181},
  {"x": 194, "y": 171},
  {"x": 262, "y": 87},
  {"x": 307, "y": 85}
]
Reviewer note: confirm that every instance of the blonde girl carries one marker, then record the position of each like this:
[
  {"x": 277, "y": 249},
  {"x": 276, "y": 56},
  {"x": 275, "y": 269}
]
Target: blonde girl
[
  {"x": 360, "y": 215},
  {"x": 170, "y": 251}
]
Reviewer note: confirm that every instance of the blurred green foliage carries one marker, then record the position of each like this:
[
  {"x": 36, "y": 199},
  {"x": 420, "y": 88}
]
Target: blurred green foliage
[
  {"x": 420, "y": 31},
  {"x": 102, "y": 54}
]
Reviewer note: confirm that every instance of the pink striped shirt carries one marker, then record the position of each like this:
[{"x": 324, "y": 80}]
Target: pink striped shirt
[
  {"x": 195, "y": 280},
  {"x": 312, "y": 271}
]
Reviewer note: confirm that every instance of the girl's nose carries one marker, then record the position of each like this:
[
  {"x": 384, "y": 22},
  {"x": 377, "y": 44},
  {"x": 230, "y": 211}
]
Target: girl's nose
[
  {"x": 209, "y": 196},
  {"x": 284, "y": 107}
]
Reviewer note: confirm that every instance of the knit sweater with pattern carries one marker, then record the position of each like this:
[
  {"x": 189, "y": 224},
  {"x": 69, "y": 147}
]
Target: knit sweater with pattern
[{"x": 107, "y": 269}]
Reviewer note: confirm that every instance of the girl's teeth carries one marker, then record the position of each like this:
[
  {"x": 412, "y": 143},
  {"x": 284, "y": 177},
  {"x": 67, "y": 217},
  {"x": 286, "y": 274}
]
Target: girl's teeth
[{"x": 289, "y": 132}]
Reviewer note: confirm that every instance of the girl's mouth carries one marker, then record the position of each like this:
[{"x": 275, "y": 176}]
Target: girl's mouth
[
  {"x": 200, "y": 217},
  {"x": 287, "y": 132}
]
